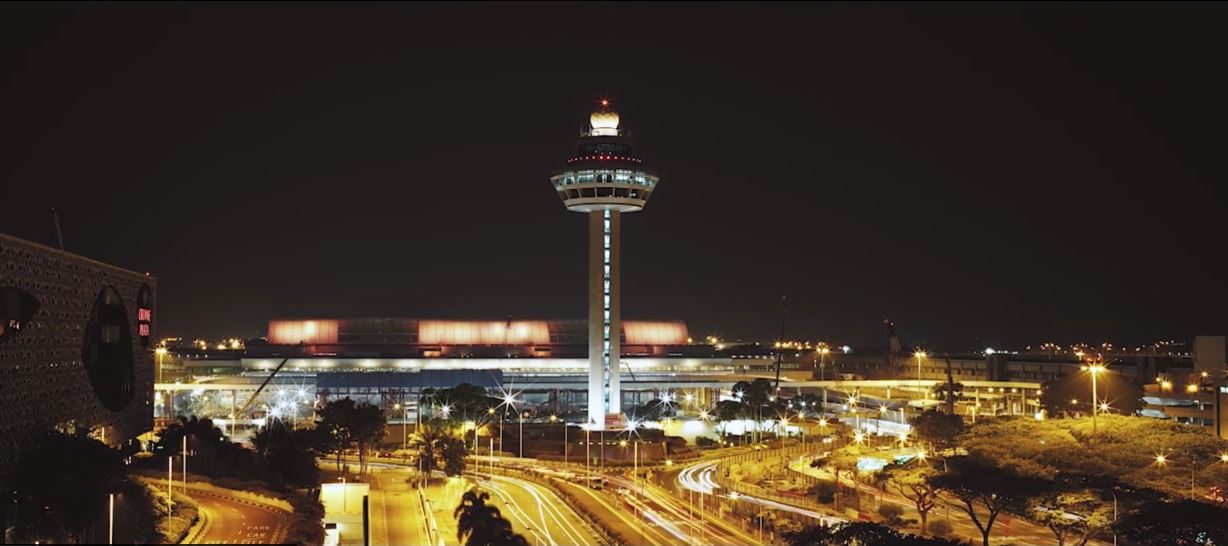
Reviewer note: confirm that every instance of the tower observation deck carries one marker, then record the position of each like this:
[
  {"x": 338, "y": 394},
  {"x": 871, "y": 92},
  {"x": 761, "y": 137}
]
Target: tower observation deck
[{"x": 604, "y": 179}]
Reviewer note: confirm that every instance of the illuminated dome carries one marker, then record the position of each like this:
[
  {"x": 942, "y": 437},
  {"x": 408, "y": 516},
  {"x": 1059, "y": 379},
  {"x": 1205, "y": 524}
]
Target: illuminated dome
[{"x": 604, "y": 122}]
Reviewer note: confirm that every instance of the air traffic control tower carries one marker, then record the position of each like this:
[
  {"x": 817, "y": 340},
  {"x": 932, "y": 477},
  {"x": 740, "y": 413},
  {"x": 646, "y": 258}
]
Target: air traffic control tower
[{"x": 603, "y": 180}]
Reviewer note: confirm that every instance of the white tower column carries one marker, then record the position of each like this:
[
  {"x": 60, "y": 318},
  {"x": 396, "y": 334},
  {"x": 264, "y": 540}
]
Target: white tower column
[
  {"x": 614, "y": 393},
  {"x": 604, "y": 324},
  {"x": 596, "y": 364}
]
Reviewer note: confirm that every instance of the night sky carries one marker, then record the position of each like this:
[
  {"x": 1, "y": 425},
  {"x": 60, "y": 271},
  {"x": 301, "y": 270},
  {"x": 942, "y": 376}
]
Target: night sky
[{"x": 984, "y": 176}]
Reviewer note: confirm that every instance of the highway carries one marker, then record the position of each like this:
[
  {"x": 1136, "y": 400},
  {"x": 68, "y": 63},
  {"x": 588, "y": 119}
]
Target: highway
[
  {"x": 538, "y": 513},
  {"x": 653, "y": 514},
  {"x": 397, "y": 516},
  {"x": 699, "y": 479},
  {"x": 703, "y": 524},
  {"x": 235, "y": 521}
]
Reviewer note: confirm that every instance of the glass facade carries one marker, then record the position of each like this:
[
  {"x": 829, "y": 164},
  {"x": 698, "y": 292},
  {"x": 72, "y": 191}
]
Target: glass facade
[{"x": 604, "y": 176}]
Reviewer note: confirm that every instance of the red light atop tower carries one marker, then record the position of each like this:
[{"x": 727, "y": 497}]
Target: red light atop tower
[{"x": 605, "y": 102}]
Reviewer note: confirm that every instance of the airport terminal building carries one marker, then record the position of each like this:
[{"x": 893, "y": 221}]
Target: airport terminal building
[{"x": 389, "y": 361}]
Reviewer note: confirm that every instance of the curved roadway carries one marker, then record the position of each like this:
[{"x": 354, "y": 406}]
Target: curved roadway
[{"x": 235, "y": 521}]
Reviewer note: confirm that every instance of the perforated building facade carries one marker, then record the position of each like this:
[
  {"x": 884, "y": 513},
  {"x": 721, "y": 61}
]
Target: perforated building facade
[{"x": 74, "y": 346}]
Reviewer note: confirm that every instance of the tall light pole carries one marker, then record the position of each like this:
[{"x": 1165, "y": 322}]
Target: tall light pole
[
  {"x": 185, "y": 463},
  {"x": 1094, "y": 369},
  {"x": 170, "y": 476},
  {"x": 160, "y": 352},
  {"x": 822, "y": 361},
  {"x": 920, "y": 355},
  {"x": 111, "y": 520}
]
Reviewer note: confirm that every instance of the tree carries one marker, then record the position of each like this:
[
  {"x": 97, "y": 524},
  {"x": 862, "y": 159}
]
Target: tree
[
  {"x": 726, "y": 411},
  {"x": 466, "y": 401},
  {"x": 1179, "y": 523},
  {"x": 1076, "y": 516},
  {"x": 366, "y": 427},
  {"x": 288, "y": 453},
  {"x": 860, "y": 533},
  {"x": 453, "y": 453},
  {"x": 61, "y": 481},
  {"x": 438, "y": 447},
  {"x": 975, "y": 482},
  {"x": 844, "y": 459},
  {"x": 335, "y": 435},
  {"x": 480, "y": 524},
  {"x": 913, "y": 482},
  {"x": 937, "y": 429}
]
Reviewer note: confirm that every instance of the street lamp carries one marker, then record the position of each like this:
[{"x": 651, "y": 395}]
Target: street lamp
[
  {"x": 920, "y": 355},
  {"x": 161, "y": 352},
  {"x": 1094, "y": 370}
]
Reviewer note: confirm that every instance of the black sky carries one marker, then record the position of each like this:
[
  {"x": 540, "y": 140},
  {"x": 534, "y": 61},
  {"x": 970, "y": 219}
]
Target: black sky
[{"x": 982, "y": 175}]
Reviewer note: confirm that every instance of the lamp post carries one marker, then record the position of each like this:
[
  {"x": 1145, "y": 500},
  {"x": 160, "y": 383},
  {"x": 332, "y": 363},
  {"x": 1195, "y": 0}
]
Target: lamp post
[
  {"x": 185, "y": 463},
  {"x": 1094, "y": 369},
  {"x": 170, "y": 474},
  {"x": 920, "y": 355},
  {"x": 822, "y": 361},
  {"x": 111, "y": 519},
  {"x": 160, "y": 352}
]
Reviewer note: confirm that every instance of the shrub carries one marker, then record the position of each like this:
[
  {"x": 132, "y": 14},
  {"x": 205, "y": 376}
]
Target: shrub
[
  {"x": 305, "y": 525},
  {"x": 892, "y": 514},
  {"x": 940, "y": 528},
  {"x": 171, "y": 528},
  {"x": 825, "y": 491}
]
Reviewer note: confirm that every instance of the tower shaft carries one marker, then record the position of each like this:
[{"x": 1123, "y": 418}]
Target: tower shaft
[{"x": 604, "y": 314}]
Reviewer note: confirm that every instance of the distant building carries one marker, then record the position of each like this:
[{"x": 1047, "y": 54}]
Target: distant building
[
  {"x": 74, "y": 346},
  {"x": 1195, "y": 395}
]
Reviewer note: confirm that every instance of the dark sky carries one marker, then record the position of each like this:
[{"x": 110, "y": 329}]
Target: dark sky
[{"x": 981, "y": 175}]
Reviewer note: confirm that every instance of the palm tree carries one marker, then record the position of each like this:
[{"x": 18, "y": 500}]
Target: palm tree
[
  {"x": 479, "y": 524},
  {"x": 433, "y": 442}
]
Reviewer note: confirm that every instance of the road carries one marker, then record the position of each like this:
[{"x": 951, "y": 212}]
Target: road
[
  {"x": 655, "y": 515},
  {"x": 396, "y": 513},
  {"x": 534, "y": 510},
  {"x": 699, "y": 478},
  {"x": 235, "y": 521},
  {"x": 690, "y": 524},
  {"x": 538, "y": 513}
]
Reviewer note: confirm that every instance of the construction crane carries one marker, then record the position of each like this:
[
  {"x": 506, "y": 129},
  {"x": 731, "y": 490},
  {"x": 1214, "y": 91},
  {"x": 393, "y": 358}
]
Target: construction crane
[
  {"x": 265, "y": 383},
  {"x": 784, "y": 311}
]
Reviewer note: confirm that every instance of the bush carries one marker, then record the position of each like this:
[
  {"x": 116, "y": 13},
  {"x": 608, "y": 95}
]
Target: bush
[
  {"x": 940, "y": 528},
  {"x": 704, "y": 441},
  {"x": 305, "y": 525},
  {"x": 825, "y": 491},
  {"x": 890, "y": 511},
  {"x": 892, "y": 514},
  {"x": 171, "y": 527}
]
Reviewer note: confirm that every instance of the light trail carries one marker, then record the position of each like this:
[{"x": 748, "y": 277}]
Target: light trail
[
  {"x": 699, "y": 478},
  {"x": 548, "y": 513}
]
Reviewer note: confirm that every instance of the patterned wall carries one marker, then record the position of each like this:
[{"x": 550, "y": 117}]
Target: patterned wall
[{"x": 43, "y": 382}]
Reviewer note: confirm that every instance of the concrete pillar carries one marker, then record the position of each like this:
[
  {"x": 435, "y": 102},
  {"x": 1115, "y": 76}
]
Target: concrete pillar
[{"x": 604, "y": 324}]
